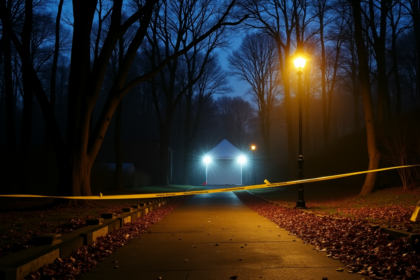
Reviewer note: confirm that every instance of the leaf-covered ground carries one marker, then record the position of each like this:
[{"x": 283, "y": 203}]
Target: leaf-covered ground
[
  {"x": 88, "y": 256},
  {"x": 390, "y": 207},
  {"x": 22, "y": 220},
  {"x": 360, "y": 247}
]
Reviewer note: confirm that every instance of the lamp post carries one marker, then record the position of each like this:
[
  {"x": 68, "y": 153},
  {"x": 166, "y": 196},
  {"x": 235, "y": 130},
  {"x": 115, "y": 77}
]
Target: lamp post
[
  {"x": 242, "y": 161},
  {"x": 207, "y": 160},
  {"x": 299, "y": 62},
  {"x": 253, "y": 147}
]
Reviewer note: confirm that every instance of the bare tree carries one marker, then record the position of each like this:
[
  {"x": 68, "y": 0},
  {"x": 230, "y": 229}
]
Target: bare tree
[
  {"x": 376, "y": 17},
  {"x": 277, "y": 18},
  {"x": 28, "y": 96},
  {"x": 76, "y": 154},
  {"x": 212, "y": 81},
  {"x": 398, "y": 150},
  {"x": 256, "y": 62},
  {"x": 348, "y": 76},
  {"x": 398, "y": 26},
  {"x": 178, "y": 23},
  {"x": 8, "y": 81},
  {"x": 364, "y": 77},
  {"x": 235, "y": 116},
  {"x": 285, "y": 21},
  {"x": 54, "y": 64},
  {"x": 329, "y": 61},
  {"x": 413, "y": 8}
]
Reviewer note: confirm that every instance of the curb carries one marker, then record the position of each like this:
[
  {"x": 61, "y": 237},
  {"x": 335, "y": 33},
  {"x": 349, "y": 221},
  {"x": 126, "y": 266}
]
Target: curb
[
  {"x": 413, "y": 238},
  {"x": 19, "y": 264}
]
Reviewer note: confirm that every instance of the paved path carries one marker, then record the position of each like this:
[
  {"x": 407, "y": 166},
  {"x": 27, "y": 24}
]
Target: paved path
[{"x": 183, "y": 246}]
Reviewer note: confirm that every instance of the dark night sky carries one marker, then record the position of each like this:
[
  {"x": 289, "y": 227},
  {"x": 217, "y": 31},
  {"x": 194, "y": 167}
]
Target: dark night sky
[{"x": 239, "y": 87}]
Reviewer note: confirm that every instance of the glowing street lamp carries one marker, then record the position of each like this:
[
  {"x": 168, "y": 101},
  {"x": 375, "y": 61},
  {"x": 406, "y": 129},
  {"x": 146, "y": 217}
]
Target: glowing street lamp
[
  {"x": 241, "y": 160},
  {"x": 299, "y": 62},
  {"x": 253, "y": 148},
  {"x": 207, "y": 161}
]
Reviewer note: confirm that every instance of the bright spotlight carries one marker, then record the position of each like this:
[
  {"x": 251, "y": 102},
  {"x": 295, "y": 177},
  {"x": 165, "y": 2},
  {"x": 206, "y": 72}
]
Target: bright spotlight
[
  {"x": 242, "y": 159},
  {"x": 207, "y": 159}
]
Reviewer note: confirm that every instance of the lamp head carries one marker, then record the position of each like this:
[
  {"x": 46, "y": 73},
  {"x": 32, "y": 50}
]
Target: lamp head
[
  {"x": 299, "y": 63},
  {"x": 207, "y": 159},
  {"x": 253, "y": 147},
  {"x": 242, "y": 159}
]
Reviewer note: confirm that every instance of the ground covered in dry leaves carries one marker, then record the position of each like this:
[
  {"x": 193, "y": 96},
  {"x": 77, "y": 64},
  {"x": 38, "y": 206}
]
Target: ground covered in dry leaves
[
  {"x": 354, "y": 242},
  {"x": 19, "y": 227},
  {"x": 87, "y": 257},
  {"x": 391, "y": 207}
]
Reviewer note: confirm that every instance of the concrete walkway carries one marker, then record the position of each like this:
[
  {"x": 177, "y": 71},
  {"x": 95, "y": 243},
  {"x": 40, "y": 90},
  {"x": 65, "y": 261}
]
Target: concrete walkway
[{"x": 216, "y": 236}]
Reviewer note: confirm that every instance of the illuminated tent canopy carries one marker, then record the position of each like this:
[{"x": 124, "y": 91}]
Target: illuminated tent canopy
[{"x": 224, "y": 168}]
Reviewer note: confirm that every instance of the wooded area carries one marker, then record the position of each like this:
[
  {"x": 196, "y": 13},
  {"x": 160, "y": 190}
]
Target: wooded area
[{"x": 160, "y": 71}]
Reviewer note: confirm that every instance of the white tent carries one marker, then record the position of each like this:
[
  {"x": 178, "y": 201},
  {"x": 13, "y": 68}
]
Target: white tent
[{"x": 224, "y": 168}]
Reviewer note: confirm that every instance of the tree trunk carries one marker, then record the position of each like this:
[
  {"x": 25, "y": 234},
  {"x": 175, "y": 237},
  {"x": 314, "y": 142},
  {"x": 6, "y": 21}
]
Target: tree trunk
[
  {"x": 80, "y": 104},
  {"x": 307, "y": 121},
  {"x": 374, "y": 155},
  {"x": 267, "y": 123},
  {"x": 28, "y": 104},
  {"x": 118, "y": 150},
  {"x": 416, "y": 27},
  {"x": 74, "y": 175},
  {"x": 291, "y": 150},
  {"x": 379, "y": 46},
  {"x": 187, "y": 139},
  {"x": 396, "y": 71},
  {"x": 186, "y": 162},
  {"x": 165, "y": 135},
  {"x": 382, "y": 84},
  {"x": 54, "y": 67},
  {"x": 325, "y": 122},
  {"x": 28, "y": 98},
  {"x": 8, "y": 82},
  {"x": 398, "y": 107},
  {"x": 355, "y": 96},
  {"x": 355, "y": 89},
  {"x": 263, "y": 116},
  {"x": 118, "y": 124}
]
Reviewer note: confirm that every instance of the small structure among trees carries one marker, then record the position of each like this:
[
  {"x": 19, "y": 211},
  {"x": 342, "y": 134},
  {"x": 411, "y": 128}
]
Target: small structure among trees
[{"x": 224, "y": 168}]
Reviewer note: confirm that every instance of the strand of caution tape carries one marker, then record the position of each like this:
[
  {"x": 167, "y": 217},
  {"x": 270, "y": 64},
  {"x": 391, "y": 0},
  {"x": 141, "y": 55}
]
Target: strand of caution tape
[{"x": 170, "y": 194}]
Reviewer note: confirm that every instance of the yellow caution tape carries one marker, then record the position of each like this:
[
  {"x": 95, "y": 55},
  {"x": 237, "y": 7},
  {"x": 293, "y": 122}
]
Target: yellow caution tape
[
  {"x": 415, "y": 213},
  {"x": 251, "y": 187}
]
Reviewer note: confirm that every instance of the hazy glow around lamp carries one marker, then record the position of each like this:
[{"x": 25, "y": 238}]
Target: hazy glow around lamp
[
  {"x": 299, "y": 63},
  {"x": 253, "y": 148}
]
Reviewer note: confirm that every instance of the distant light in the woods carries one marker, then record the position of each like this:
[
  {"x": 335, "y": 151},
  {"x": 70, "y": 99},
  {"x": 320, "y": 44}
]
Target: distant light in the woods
[
  {"x": 242, "y": 159},
  {"x": 207, "y": 159}
]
